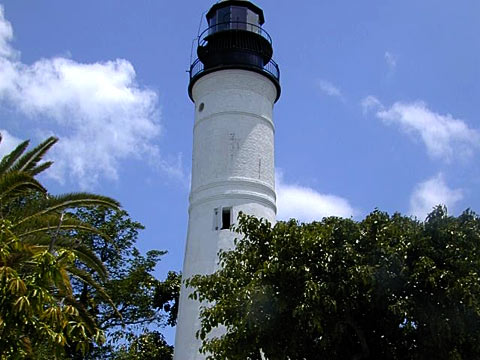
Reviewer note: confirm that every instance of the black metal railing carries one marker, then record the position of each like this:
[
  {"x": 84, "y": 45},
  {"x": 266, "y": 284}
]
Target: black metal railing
[
  {"x": 232, "y": 25},
  {"x": 196, "y": 68},
  {"x": 270, "y": 68}
]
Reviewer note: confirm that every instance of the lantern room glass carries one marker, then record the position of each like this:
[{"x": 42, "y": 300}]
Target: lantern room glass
[{"x": 234, "y": 17}]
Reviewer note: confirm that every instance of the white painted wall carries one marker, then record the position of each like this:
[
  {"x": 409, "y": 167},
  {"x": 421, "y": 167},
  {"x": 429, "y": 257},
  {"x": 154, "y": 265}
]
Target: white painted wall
[{"x": 233, "y": 166}]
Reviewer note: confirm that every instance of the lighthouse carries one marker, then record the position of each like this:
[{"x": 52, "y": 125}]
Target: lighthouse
[{"x": 234, "y": 84}]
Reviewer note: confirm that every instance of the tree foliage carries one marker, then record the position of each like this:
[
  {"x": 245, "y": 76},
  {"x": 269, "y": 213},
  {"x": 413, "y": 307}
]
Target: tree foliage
[
  {"x": 386, "y": 287},
  {"x": 39, "y": 255},
  {"x": 144, "y": 302},
  {"x": 149, "y": 345},
  {"x": 37, "y": 310}
]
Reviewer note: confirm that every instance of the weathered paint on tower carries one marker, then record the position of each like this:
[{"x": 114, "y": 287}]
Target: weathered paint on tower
[{"x": 234, "y": 88}]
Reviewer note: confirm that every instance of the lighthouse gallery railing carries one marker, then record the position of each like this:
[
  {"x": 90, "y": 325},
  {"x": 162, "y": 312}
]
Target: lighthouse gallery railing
[{"x": 197, "y": 66}]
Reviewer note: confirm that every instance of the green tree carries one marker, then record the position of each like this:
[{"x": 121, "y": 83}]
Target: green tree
[
  {"x": 144, "y": 302},
  {"x": 386, "y": 287},
  {"x": 38, "y": 313},
  {"x": 39, "y": 253},
  {"x": 149, "y": 345}
]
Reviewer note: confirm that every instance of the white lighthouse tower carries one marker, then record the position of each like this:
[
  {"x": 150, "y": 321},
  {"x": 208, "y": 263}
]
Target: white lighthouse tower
[{"x": 234, "y": 84}]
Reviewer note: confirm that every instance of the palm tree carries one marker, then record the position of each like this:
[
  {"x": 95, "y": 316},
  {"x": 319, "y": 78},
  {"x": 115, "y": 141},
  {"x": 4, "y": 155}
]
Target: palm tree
[{"x": 39, "y": 254}]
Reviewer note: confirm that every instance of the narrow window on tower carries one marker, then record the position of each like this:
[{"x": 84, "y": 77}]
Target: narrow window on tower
[
  {"x": 239, "y": 17},
  {"x": 226, "y": 218},
  {"x": 216, "y": 219},
  {"x": 223, "y": 19}
]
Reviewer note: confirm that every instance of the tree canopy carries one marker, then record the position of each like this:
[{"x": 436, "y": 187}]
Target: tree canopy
[
  {"x": 72, "y": 283},
  {"x": 148, "y": 345},
  {"x": 145, "y": 303},
  {"x": 386, "y": 287},
  {"x": 39, "y": 255}
]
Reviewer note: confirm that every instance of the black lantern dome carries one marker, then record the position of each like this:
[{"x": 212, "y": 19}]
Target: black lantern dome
[{"x": 234, "y": 39}]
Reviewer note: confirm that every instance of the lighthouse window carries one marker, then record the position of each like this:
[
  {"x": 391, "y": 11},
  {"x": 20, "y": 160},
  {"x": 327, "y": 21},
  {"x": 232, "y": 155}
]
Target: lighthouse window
[
  {"x": 223, "y": 19},
  {"x": 239, "y": 17},
  {"x": 201, "y": 107},
  {"x": 253, "y": 21},
  {"x": 212, "y": 22},
  {"x": 226, "y": 218}
]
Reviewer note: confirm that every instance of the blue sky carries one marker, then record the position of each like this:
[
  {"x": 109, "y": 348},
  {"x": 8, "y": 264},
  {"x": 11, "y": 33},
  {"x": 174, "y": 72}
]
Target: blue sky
[{"x": 379, "y": 105}]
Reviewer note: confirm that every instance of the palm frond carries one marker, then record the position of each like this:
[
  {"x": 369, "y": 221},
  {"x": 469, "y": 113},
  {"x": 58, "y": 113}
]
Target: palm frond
[
  {"x": 83, "y": 253},
  {"x": 86, "y": 278},
  {"x": 63, "y": 242},
  {"x": 68, "y": 201},
  {"x": 41, "y": 231},
  {"x": 15, "y": 182},
  {"x": 9, "y": 159},
  {"x": 28, "y": 162},
  {"x": 49, "y": 222},
  {"x": 88, "y": 257},
  {"x": 38, "y": 169}
]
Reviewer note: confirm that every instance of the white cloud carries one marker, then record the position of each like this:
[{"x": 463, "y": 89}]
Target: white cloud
[
  {"x": 430, "y": 193},
  {"x": 6, "y": 35},
  {"x": 306, "y": 204},
  {"x": 99, "y": 112},
  {"x": 391, "y": 60},
  {"x": 444, "y": 136},
  {"x": 8, "y": 142},
  {"x": 371, "y": 103},
  {"x": 329, "y": 89}
]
